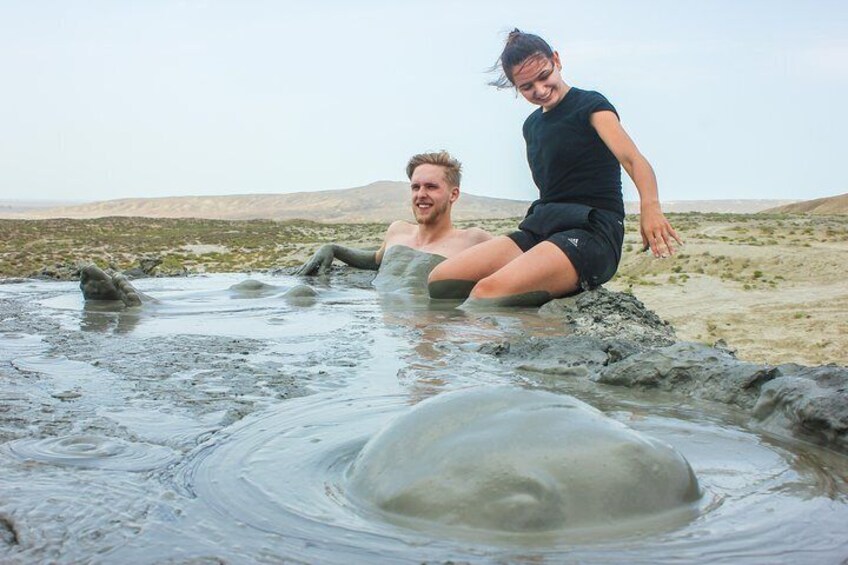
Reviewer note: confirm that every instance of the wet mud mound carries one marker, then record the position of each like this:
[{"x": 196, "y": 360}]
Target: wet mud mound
[
  {"x": 513, "y": 460},
  {"x": 611, "y": 338},
  {"x": 300, "y": 294}
]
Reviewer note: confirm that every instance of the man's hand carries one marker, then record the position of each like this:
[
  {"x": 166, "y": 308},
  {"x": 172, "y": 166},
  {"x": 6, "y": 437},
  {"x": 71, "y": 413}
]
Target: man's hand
[
  {"x": 657, "y": 233},
  {"x": 319, "y": 263}
]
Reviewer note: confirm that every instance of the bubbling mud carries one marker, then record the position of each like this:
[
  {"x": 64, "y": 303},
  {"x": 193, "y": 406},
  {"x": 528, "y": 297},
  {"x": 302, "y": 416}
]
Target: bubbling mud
[
  {"x": 289, "y": 475},
  {"x": 92, "y": 452},
  {"x": 516, "y": 460},
  {"x": 297, "y": 295},
  {"x": 253, "y": 287}
]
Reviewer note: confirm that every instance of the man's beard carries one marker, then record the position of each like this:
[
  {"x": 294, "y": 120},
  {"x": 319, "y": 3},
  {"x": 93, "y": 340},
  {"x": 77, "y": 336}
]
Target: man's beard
[{"x": 434, "y": 215}]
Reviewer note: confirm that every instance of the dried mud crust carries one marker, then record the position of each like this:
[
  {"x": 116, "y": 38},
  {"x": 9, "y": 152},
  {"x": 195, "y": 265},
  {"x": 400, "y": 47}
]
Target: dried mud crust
[
  {"x": 612, "y": 338},
  {"x": 605, "y": 314},
  {"x": 809, "y": 403}
]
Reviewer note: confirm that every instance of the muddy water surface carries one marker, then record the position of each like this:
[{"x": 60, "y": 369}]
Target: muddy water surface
[{"x": 222, "y": 425}]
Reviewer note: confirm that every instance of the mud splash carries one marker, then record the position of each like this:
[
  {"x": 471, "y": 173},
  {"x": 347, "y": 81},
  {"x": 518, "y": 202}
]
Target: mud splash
[{"x": 223, "y": 425}]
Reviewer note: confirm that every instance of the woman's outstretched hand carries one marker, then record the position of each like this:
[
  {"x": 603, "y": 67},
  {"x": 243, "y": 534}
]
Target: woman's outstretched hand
[{"x": 657, "y": 233}]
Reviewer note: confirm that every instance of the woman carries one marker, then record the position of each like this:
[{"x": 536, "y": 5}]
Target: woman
[{"x": 572, "y": 235}]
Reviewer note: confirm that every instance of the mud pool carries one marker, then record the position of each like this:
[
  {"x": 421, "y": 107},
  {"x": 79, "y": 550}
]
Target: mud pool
[{"x": 221, "y": 425}]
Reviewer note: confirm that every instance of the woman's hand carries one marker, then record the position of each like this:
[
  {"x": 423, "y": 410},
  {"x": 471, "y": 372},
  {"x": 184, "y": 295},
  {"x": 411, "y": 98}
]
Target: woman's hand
[{"x": 657, "y": 233}]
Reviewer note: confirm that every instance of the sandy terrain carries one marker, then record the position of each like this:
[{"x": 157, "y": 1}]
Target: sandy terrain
[{"x": 772, "y": 288}]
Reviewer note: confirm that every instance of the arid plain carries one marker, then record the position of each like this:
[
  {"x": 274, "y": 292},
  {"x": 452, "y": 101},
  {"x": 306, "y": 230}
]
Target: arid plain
[{"x": 771, "y": 286}]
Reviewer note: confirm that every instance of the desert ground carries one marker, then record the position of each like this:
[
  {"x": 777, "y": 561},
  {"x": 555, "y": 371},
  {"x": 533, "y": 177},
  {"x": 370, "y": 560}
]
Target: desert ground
[{"x": 771, "y": 286}]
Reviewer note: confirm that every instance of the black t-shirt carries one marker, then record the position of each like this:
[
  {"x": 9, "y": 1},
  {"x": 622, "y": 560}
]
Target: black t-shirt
[{"x": 569, "y": 161}]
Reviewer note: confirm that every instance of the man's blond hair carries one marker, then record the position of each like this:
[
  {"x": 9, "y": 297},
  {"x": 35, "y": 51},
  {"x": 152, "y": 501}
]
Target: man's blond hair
[{"x": 451, "y": 166}]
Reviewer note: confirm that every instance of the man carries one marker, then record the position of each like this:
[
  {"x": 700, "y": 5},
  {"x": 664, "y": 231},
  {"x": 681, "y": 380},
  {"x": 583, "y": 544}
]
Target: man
[{"x": 434, "y": 180}]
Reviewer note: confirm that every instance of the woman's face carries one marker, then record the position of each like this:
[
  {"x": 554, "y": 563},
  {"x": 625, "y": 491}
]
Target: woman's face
[{"x": 539, "y": 80}]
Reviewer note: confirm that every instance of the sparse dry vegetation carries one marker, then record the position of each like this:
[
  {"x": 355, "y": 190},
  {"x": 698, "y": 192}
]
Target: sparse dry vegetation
[{"x": 184, "y": 245}]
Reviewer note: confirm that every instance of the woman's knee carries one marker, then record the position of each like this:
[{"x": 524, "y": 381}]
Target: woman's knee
[
  {"x": 488, "y": 287},
  {"x": 445, "y": 282}
]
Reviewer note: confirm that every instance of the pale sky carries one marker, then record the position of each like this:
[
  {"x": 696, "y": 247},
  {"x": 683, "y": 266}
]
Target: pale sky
[{"x": 101, "y": 100}]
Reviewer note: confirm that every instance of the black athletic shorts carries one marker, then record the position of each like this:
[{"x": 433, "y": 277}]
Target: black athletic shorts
[{"x": 591, "y": 238}]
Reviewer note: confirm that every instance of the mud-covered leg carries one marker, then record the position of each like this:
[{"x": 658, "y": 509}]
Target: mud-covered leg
[
  {"x": 450, "y": 289},
  {"x": 523, "y": 300},
  {"x": 541, "y": 274},
  {"x": 455, "y": 277}
]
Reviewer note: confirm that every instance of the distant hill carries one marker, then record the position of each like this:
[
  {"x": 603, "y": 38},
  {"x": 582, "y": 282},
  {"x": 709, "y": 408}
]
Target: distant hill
[
  {"x": 377, "y": 202},
  {"x": 381, "y": 201},
  {"x": 712, "y": 206},
  {"x": 10, "y": 208},
  {"x": 822, "y": 206}
]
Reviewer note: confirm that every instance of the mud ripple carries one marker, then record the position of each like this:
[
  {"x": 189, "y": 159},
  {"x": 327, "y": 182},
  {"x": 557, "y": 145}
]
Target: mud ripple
[
  {"x": 285, "y": 474},
  {"x": 13, "y": 345},
  {"x": 92, "y": 452}
]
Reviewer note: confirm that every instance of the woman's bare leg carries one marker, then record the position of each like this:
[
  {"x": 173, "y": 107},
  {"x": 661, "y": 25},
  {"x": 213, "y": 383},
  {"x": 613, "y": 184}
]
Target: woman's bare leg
[
  {"x": 455, "y": 277},
  {"x": 531, "y": 279}
]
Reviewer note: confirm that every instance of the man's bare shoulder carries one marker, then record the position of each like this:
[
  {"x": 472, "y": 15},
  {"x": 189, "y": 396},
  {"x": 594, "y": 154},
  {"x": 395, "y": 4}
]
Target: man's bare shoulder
[
  {"x": 399, "y": 232},
  {"x": 400, "y": 227},
  {"x": 476, "y": 235}
]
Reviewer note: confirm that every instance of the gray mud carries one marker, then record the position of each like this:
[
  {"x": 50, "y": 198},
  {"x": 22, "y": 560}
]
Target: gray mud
[
  {"x": 404, "y": 269},
  {"x": 613, "y": 339},
  {"x": 561, "y": 465},
  {"x": 222, "y": 425}
]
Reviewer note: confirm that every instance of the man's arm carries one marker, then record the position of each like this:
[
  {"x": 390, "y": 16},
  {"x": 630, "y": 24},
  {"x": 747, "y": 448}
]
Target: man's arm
[
  {"x": 323, "y": 258},
  {"x": 369, "y": 259}
]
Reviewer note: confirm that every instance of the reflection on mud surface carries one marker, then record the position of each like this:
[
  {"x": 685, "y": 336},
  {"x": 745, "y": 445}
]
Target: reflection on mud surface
[{"x": 221, "y": 424}]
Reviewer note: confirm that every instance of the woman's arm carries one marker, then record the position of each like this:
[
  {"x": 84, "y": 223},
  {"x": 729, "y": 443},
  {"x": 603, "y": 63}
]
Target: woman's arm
[{"x": 655, "y": 229}]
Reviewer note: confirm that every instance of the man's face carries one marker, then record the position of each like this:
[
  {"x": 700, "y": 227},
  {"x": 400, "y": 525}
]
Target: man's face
[{"x": 431, "y": 195}]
